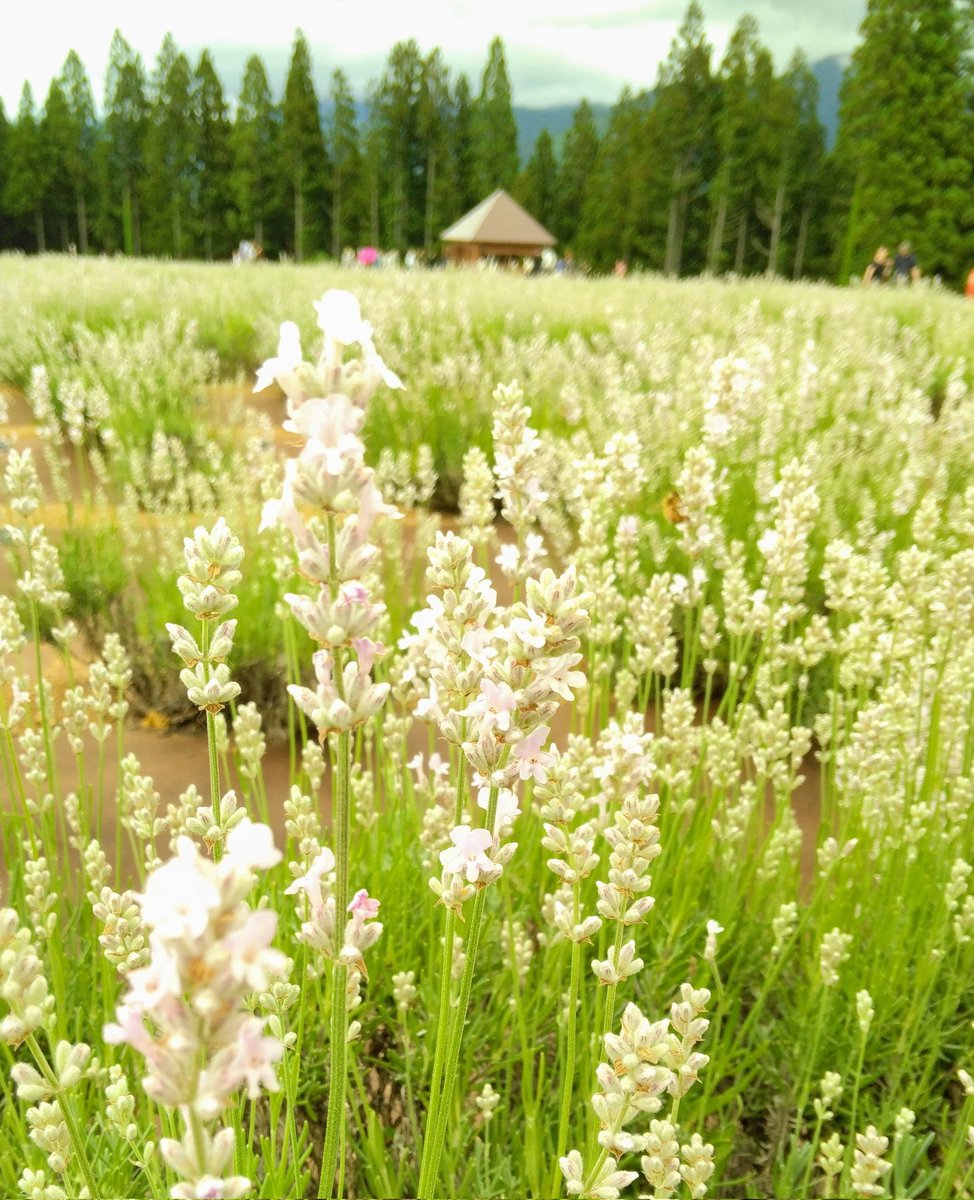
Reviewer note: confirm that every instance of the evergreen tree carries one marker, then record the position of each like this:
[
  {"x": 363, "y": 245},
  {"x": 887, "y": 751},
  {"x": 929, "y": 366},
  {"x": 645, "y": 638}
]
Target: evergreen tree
[
  {"x": 806, "y": 176},
  {"x": 56, "y": 138},
  {"x": 168, "y": 219},
  {"x": 902, "y": 156},
  {"x": 82, "y": 153},
  {"x": 169, "y": 222},
  {"x": 538, "y": 185},
  {"x": 347, "y": 180},
  {"x": 126, "y": 125},
  {"x": 212, "y": 192},
  {"x": 397, "y": 104},
  {"x": 495, "y": 158},
  {"x": 6, "y": 226},
  {"x": 746, "y": 64},
  {"x": 682, "y": 133},
  {"x": 435, "y": 120},
  {"x": 789, "y": 166},
  {"x": 26, "y": 179},
  {"x": 762, "y": 196},
  {"x": 372, "y": 176},
  {"x": 609, "y": 226},
  {"x": 303, "y": 153},
  {"x": 462, "y": 189},
  {"x": 578, "y": 161},
  {"x": 254, "y": 148}
]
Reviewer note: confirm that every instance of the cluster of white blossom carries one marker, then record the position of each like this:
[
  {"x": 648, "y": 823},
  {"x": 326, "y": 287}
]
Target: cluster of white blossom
[
  {"x": 186, "y": 1010},
  {"x": 326, "y": 406},
  {"x": 647, "y": 1061}
]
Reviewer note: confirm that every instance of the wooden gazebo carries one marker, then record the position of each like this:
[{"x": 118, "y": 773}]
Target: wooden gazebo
[{"x": 497, "y": 228}]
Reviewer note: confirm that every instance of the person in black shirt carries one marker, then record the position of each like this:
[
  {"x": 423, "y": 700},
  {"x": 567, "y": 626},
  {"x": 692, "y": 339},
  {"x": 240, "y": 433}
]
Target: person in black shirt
[
  {"x": 905, "y": 269},
  {"x": 878, "y": 269}
]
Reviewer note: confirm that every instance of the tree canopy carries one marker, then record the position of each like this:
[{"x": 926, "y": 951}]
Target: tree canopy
[{"x": 717, "y": 167}]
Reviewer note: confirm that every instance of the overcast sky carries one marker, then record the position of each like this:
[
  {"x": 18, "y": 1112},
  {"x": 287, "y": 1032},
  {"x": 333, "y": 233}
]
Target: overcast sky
[{"x": 558, "y": 50}]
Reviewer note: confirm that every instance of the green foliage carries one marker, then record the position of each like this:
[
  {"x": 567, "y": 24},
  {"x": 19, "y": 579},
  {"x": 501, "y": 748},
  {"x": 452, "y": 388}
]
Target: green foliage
[
  {"x": 538, "y": 184},
  {"x": 713, "y": 170},
  {"x": 26, "y": 171},
  {"x": 624, "y": 379},
  {"x": 96, "y": 573},
  {"x": 255, "y": 173},
  {"x": 613, "y": 203},
  {"x": 435, "y": 119},
  {"x": 682, "y": 131},
  {"x": 397, "y": 112},
  {"x": 170, "y": 156},
  {"x": 57, "y": 137},
  {"x": 494, "y": 151},
  {"x": 304, "y": 158},
  {"x": 348, "y": 183},
  {"x": 463, "y": 185},
  {"x": 578, "y": 161},
  {"x": 211, "y": 183},
  {"x": 902, "y": 153},
  {"x": 127, "y": 120},
  {"x": 83, "y": 147},
  {"x": 745, "y": 77},
  {"x": 6, "y": 234},
  {"x": 801, "y": 181}
]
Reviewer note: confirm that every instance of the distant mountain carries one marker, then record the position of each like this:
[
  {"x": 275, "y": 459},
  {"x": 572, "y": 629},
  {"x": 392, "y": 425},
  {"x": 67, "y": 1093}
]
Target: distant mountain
[
  {"x": 558, "y": 118},
  {"x": 829, "y": 72}
]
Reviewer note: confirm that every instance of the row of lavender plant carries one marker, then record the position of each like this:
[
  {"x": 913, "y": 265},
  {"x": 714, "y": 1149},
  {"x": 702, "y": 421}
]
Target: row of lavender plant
[
  {"x": 503, "y": 1035},
  {"x": 759, "y": 375}
]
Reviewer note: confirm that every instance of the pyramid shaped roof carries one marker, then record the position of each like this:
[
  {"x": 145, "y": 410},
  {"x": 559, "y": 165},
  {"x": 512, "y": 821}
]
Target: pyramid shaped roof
[{"x": 500, "y": 220}]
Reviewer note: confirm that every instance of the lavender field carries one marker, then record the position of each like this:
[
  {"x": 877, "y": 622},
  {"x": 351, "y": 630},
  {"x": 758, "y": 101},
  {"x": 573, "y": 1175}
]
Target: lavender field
[{"x": 613, "y": 641}]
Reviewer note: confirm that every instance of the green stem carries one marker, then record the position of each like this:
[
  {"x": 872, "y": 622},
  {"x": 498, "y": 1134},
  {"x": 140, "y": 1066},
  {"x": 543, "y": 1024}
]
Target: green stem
[
  {"x": 73, "y": 1132},
  {"x": 294, "y": 1068},
  {"x": 568, "y": 1079},
  {"x": 43, "y": 703},
  {"x": 199, "y": 1142},
  {"x": 446, "y": 965},
  {"x": 531, "y": 1130},
  {"x": 806, "y": 1180},
  {"x": 433, "y": 1147},
  {"x": 12, "y": 771},
  {"x": 338, "y": 1048},
  {"x": 605, "y": 1025},
  {"x": 442, "y": 1019},
  {"x": 855, "y": 1101},
  {"x": 608, "y": 1013},
  {"x": 433, "y": 1144},
  {"x": 119, "y": 800},
  {"x": 407, "y": 1056},
  {"x": 214, "y": 777}
]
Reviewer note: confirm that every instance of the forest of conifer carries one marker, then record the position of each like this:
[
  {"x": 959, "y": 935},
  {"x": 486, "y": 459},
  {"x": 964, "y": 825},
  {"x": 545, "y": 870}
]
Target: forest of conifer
[{"x": 721, "y": 165}]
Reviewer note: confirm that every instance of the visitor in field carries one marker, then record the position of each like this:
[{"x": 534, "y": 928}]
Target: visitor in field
[
  {"x": 879, "y": 269},
  {"x": 905, "y": 269},
  {"x": 247, "y": 252},
  {"x": 969, "y": 286}
]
